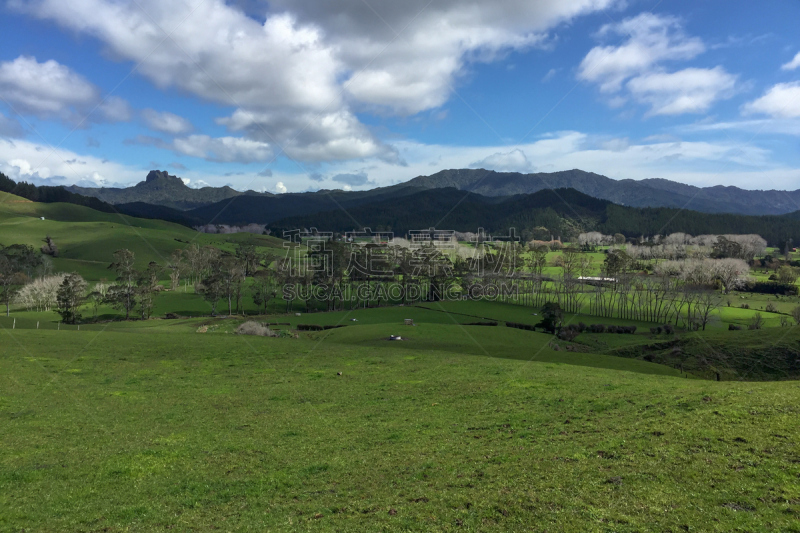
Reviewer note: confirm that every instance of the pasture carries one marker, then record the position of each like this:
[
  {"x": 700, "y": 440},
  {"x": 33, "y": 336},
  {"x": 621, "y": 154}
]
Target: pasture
[{"x": 151, "y": 425}]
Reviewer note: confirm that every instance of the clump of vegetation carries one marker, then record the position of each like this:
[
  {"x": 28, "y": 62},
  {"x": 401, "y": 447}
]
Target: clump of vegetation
[
  {"x": 771, "y": 308},
  {"x": 251, "y": 327},
  {"x": 666, "y": 328},
  {"x": 49, "y": 247},
  {"x": 757, "y": 322}
]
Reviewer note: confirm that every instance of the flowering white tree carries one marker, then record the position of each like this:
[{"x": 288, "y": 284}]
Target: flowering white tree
[{"x": 40, "y": 294}]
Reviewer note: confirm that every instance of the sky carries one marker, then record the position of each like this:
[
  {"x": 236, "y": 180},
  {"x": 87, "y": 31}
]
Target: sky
[{"x": 299, "y": 95}]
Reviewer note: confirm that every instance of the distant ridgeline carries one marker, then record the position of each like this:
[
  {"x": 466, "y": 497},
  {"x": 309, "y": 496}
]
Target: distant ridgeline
[
  {"x": 560, "y": 212},
  {"x": 49, "y": 195}
]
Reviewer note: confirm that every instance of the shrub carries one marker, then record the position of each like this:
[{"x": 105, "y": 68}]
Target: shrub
[
  {"x": 745, "y": 306},
  {"x": 734, "y": 327},
  {"x": 771, "y": 308},
  {"x": 597, "y": 328},
  {"x": 770, "y": 287},
  {"x": 252, "y": 327},
  {"x": 567, "y": 334},
  {"x": 757, "y": 322}
]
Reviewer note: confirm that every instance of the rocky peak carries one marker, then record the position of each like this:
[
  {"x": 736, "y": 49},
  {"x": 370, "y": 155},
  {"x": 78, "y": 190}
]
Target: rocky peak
[{"x": 161, "y": 175}]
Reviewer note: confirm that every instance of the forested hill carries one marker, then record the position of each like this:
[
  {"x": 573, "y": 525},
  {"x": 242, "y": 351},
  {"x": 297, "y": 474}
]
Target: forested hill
[
  {"x": 635, "y": 193},
  {"x": 49, "y": 195},
  {"x": 560, "y": 212}
]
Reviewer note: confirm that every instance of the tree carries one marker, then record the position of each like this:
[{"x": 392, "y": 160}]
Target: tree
[
  {"x": 123, "y": 295},
  {"x": 18, "y": 262},
  {"x": 616, "y": 262},
  {"x": 71, "y": 295},
  {"x": 787, "y": 274},
  {"x": 263, "y": 288},
  {"x": 732, "y": 273},
  {"x": 705, "y": 304},
  {"x": 796, "y": 314},
  {"x": 552, "y": 317},
  {"x": 176, "y": 267},
  {"x": 619, "y": 238},
  {"x": 249, "y": 258},
  {"x": 146, "y": 288}
]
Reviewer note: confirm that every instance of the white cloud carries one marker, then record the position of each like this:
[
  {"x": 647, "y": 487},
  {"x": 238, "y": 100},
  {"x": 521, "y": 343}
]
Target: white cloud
[
  {"x": 166, "y": 122},
  {"x": 51, "y": 90},
  {"x": 793, "y": 64},
  {"x": 636, "y": 66},
  {"x": 781, "y": 101},
  {"x": 280, "y": 188},
  {"x": 299, "y": 75},
  {"x": 651, "y": 40},
  {"x": 692, "y": 90},
  {"x": 311, "y": 136},
  {"x": 513, "y": 161},
  {"x": 222, "y": 149},
  {"x": 44, "y": 165}
]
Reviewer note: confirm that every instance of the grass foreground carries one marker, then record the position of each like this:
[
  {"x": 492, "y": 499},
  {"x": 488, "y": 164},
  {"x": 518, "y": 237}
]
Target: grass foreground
[{"x": 161, "y": 427}]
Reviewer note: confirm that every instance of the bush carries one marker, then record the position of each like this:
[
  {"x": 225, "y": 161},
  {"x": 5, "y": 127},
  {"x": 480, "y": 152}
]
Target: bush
[
  {"x": 770, "y": 287},
  {"x": 252, "y": 327},
  {"x": 770, "y": 308},
  {"x": 734, "y": 327},
  {"x": 597, "y": 328},
  {"x": 745, "y": 306},
  {"x": 567, "y": 334}
]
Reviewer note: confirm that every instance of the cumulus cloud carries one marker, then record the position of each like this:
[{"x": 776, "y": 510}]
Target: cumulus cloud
[
  {"x": 780, "y": 101},
  {"x": 692, "y": 90},
  {"x": 217, "y": 149},
  {"x": 513, "y": 161},
  {"x": 651, "y": 40},
  {"x": 166, "y": 122},
  {"x": 280, "y": 188},
  {"x": 298, "y": 70},
  {"x": 793, "y": 64},
  {"x": 636, "y": 66},
  {"x": 223, "y": 149},
  {"x": 44, "y": 165},
  {"x": 51, "y": 90}
]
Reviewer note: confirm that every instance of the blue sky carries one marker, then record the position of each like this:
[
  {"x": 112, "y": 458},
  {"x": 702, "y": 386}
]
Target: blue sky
[{"x": 295, "y": 95}]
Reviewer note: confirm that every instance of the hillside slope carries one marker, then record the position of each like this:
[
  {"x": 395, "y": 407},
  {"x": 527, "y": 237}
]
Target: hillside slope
[
  {"x": 87, "y": 238},
  {"x": 635, "y": 193}
]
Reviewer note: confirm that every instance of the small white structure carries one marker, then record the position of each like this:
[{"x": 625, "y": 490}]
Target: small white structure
[
  {"x": 41, "y": 218},
  {"x": 298, "y": 314}
]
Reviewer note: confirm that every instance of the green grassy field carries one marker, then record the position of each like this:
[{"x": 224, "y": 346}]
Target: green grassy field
[
  {"x": 87, "y": 238},
  {"x": 159, "y": 427},
  {"x": 183, "y": 424}
]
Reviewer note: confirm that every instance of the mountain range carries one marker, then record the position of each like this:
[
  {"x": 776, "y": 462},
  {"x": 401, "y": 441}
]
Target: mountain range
[{"x": 161, "y": 188}]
